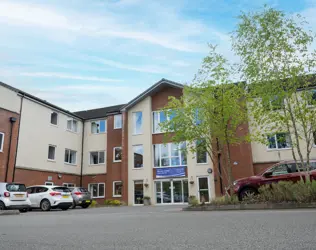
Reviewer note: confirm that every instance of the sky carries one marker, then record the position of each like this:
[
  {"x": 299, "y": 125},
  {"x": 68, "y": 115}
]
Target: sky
[{"x": 85, "y": 54}]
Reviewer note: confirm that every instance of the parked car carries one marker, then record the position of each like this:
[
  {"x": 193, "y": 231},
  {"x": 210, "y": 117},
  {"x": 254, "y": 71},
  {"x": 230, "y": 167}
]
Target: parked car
[
  {"x": 14, "y": 196},
  {"x": 50, "y": 197},
  {"x": 81, "y": 197},
  {"x": 282, "y": 171}
]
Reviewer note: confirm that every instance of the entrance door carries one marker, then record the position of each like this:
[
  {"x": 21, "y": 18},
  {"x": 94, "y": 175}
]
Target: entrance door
[
  {"x": 203, "y": 189},
  {"x": 138, "y": 192},
  {"x": 177, "y": 192},
  {"x": 166, "y": 192}
]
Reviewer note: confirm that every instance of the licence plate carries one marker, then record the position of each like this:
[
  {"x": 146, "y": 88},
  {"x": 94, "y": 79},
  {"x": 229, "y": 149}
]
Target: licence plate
[
  {"x": 19, "y": 195},
  {"x": 65, "y": 196},
  {"x": 88, "y": 201}
]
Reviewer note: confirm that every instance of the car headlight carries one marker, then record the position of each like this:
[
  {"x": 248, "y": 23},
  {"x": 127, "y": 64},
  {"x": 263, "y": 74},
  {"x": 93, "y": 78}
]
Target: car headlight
[{"x": 235, "y": 183}]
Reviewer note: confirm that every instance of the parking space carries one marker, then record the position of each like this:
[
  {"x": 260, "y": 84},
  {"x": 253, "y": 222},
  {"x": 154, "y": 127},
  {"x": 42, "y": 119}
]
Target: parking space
[{"x": 159, "y": 227}]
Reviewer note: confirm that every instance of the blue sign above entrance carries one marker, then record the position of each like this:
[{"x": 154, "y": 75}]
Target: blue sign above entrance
[{"x": 170, "y": 172}]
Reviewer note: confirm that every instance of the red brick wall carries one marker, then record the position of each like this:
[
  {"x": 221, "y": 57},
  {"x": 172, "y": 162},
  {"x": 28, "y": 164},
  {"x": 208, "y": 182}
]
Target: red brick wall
[
  {"x": 160, "y": 99},
  {"x": 5, "y": 127},
  {"x": 37, "y": 177}
]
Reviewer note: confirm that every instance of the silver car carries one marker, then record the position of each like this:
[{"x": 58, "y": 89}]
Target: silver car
[{"x": 81, "y": 197}]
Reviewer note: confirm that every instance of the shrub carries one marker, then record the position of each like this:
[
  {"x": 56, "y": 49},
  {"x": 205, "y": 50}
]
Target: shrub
[
  {"x": 225, "y": 200},
  {"x": 193, "y": 201},
  {"x": 146, "y": 198},
  {"x": 93, "y": 203},
  {"x": 112, "y": 203}
]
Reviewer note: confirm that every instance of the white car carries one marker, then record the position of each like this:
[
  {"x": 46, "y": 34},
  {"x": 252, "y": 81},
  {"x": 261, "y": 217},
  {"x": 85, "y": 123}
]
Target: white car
[
  {"x": 14, "y": 196},
  {"x": 49, "y": 197}
]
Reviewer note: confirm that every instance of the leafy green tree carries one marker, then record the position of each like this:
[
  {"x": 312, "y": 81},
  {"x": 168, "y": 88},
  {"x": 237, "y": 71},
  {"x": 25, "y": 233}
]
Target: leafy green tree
[
  {"x": 210, "y": 114},
  {"x": 278, "y": 65}
]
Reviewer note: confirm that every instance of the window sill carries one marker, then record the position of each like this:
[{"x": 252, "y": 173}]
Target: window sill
[
  {"x": 72, "y": 131},
  {"x": 138, "y": 168},
  {"x": 97, "y": 197},
  {"x": 98, "y": 133},
  {"x": 206, "y": 163},
  {"x": 53, "y": 125},
  {"x": 117, "y": 161},
  {"x": 117, "y": 196},
  {"x": 51, "y": 160},
  {"x": 138, "y": 134},
  {"x": 99, "y": 164},
  {"x": 278, "y": 149},
  {"x": 158, "y": 133},
  {"x": 70, "y": 164},
  {"x": 117, "y": 128},
  {"x": 171, "y": 166}
]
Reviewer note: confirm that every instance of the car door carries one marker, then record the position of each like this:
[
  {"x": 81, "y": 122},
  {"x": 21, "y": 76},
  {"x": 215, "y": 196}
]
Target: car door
[
  {"x": 278, "y": 173},
  {"x": 40, "y": 194},
  {"x": 32, "y": 195}
]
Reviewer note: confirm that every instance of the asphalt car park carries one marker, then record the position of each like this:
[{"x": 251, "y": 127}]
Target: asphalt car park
[{"x": 158, "y": 227}]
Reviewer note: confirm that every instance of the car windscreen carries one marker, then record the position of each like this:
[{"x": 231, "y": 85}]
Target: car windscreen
[
  {"x": 61, "y": 189},
  {"x": 16, "y": 187}
]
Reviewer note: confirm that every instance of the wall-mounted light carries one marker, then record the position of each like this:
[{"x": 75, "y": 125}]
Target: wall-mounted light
[
  {"x": 146, "y": 183},
  {"x": 191, "y": 180},
  {"x": 59, "y": 176}
]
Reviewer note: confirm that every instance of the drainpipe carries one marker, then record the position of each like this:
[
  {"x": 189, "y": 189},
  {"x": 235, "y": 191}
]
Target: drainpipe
[
  {"x": 17, "y": 143},
  {"x": 82, "y": 153},
  {"x": 12, "y": 121}
]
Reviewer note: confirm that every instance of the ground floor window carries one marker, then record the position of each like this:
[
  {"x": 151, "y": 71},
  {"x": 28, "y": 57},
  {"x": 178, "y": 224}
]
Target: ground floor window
[
  {"x": 138, "y": 192},
  {"x": 203, "y": 189},
  {"x": 117, "y": 189},
  {"x": 48, "y": 183},
  {"x": 69, "y": 184},
  {"x": 1, "y": 141},
  {"x": 175, "y": 191},
  {"x": 97, "y": 190}
]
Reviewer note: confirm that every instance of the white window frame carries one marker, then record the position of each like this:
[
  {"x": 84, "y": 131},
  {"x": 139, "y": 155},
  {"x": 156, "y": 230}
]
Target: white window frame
[
  {"x": 98, "y": 123},
  {"x": 53, "y": 146},
  {"x": 170, "y": 156},
  {"x": 208, "y": 185},
  {"x": 139, "y": 145},
  {"x": 276, "y": 142},
  {"x": 66, "y": 184},
  {"x": 49, "y": 183},
  {"x": 153, "y": 119},
  {"x": 72, "y": 125},
  {"x": 114, "y": 154},
  {"x": 98, "y": 183},
  {"x": 115, "y": 117},
  {"x": 135, "y": 123},
  {"x": 56, "y": 125},
  {"x": 97, "y": 151},
  {"x": 113, "y": 190},
  {"x": 2, "y": 142},
  {"x": 74, "y": 164},
  {"x": 196, "y": 157}
]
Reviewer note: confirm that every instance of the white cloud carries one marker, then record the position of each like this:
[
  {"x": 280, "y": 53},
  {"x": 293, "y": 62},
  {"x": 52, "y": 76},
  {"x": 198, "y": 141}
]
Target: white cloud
[{"x": 68, "y": 76}]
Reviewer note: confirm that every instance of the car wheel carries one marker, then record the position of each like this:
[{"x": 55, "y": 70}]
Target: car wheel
[
  {"x": 2, "y": 206},
  {"x": 247, "y": 192},
  {"x": 85, "y": 206},
  {"x": 23, "y": 210},
  {"x": 45, "y": 205},
  {"x": 73, "y": 206}
]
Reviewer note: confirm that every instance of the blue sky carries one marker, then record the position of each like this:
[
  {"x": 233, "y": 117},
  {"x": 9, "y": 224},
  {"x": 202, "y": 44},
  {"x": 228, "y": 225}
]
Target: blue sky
[{"x": 83, "y": 54}]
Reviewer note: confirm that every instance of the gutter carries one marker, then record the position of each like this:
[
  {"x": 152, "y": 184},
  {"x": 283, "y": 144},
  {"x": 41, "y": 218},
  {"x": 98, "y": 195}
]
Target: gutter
[{"x": 82, "y": 142}]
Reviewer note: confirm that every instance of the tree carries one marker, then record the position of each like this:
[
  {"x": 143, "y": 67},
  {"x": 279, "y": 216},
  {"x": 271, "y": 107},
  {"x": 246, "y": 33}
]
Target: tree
[
  {"x": 210, "y": 113},
  {"x": 278, "y": 65}
]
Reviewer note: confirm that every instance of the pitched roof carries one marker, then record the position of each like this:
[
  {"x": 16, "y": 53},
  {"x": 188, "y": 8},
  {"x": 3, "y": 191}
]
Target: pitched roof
[
  {"x": 18, "y": 91},
  {"x": 152, "y": 90},
  {"x": 100, "y": 112}
]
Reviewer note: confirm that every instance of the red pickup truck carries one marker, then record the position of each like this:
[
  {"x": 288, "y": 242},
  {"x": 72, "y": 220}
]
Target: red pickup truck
[{"x": 282, "y": 171}]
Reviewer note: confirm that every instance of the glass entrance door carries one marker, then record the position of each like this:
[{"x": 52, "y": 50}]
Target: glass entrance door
[
  {"x": 203, "y": 186},
  {"x": 177, "y": 192},
  {"x": 171, "y": 192},
  {"x": 166, "y": 192}
]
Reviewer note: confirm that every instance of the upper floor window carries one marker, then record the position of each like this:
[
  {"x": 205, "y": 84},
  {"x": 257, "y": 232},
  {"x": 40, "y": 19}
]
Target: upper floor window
[
  {"x": 170, "y": 155},
  {"x": 98, "y": 127},
  {"x": 138, "y": 156},
  {"x": 97, "y": 157},
  {"x": 279, "y": 141},
  {"x": 138, "y": 122},
  {"x": 72, "y": 125},
  {"x": 54, "y": 118},
  {"x": 312, "y": 97},
  {"x": 160, "y": 117},
  {"x": 201, "y": 152},
  {"x": 117, "y": 154},
  {"x": 70, "y": 156},
  {"x": 51, "y": 152},
  {"x": 273, "y": 103},
  {"x": 1, "y": 141},
  {"x": 117, "y": 121}
]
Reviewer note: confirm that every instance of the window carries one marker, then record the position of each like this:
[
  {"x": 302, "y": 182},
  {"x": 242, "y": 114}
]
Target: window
[
  {"x": 201, "y": 153},
  {"x": 274, "y": 103},
  {"x": 159, "y": 117},
  {"x": 312, "y": 97},
  {"x": 117, "y": 154},
  {"x": 48, "y": 183},
  {"x": 54, "y": 118},
  {"x": 279, "y": 141},
  {"x": 97, "y": 190},
  {"x": 117, "y": 189},
  {"x": 69, "y": 185},
  {"x": 72, "y": 125},
  {"x": 314, "y": 137},
  {"x": 203, "y": 189},
  {"x": 1, "y": 141},
  {"x": 98, "y": 127},
  {"x": 138, "y": 123},
  {"x": 51, "y": 152},
  {"x": 170, "y": 155},
  {"x": 97, "y": 157},
  {"x": 117, "y": 121},
  {"x": 70, "y": 156},
  {"x": 138, "y": 156}
]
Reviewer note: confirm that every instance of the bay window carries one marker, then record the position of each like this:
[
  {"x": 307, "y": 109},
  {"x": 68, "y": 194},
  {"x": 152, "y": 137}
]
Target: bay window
[{"x": 170, "y": 155}]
